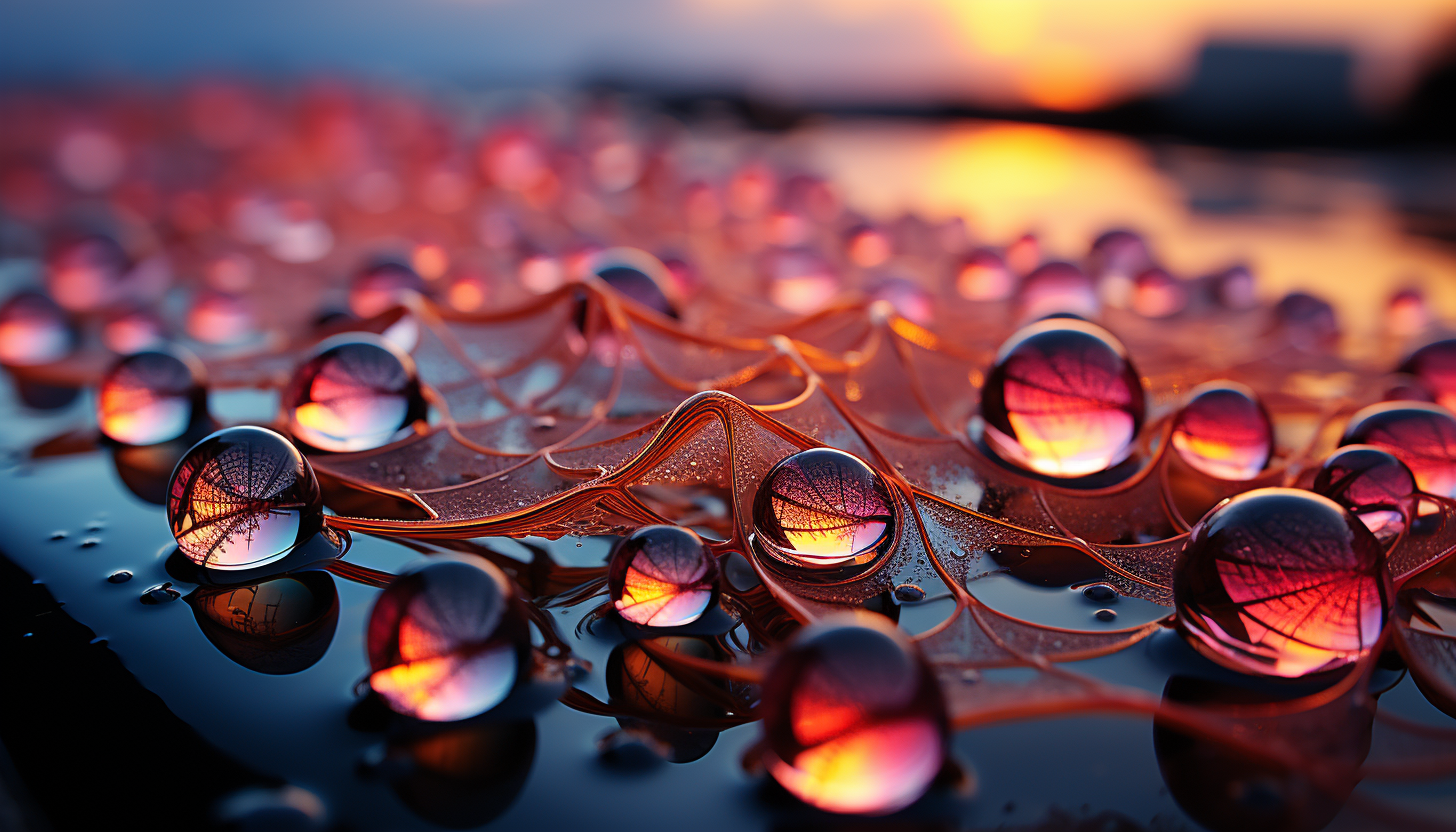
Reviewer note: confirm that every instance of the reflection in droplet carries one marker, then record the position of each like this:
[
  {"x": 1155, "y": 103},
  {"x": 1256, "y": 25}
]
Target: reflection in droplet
[
  {"x": 983, "y": 275},
  {"x": 383, "y": 286},
  {"x": 242, "y": 497},
  {"x": 1063, "y": 399},
  {"x": 357, "y": 392},
  {"x": 447, "y": 641},
  {"x": 824, "y": 508},
  {"x": 1423, "y": 436},
  {"x": 639, "y": 682},
  {"x": 662, "y": 576},
  {"x": 1372, "y": 484},
  {"x": 1434, "y": 365},
  {"x": 279, "y": 626},
  {"x": 465, "y": 777},
  {"x": 1224, "y": 431},
  {"x": 150, "y": 397},
  {"x": 1281, "y": 582},
  {"x": 33, "y": 330},
  {"x": 853, "y": 718}
]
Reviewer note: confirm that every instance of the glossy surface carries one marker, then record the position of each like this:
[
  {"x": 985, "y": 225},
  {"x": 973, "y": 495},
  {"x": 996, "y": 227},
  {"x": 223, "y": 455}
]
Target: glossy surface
[
  {"x": 1063, "y": 399},
  {"x": 150, "y": 397},
  {"x": 824, "y": 508},
  {"x": 1373, "y": 485},
  {"x": 447, "y": 640},
  {"x": 242, "y": 497},
  {"x": 662, "y": 576},
  {"x": 853, "y": 719},
  {"x": 1224, "y": 431},
  {"x": 1281, "y": 582},
  {"x": 358, "y": 391},
  {"x": 33, "y": 330},
  {"x": 1423, "y": 436}
]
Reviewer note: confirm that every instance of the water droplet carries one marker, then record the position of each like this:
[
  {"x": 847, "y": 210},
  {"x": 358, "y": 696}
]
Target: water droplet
[
  {"x": 799, "y": 280},
  {"x": 133, "y": 330},
  {"x": 1055, "y": 288},
  {"x": 1281, "y": 582},
  {"x": 909, "y": 299},
  {"x": 1423, "y": 436},
  {"x": 221, "y": 319},
  {"x": 1105, "y": 615},
  {"x": 1224, "y": 431},
  {"x": 382, "y": 286},
  {"x": 161, "y": 594},
  {"x": 447, "y": 640},
  {"x": 357, "y": 392},
  {"x": 1307, "y": 321},
  {"x": 120, "y": 576},
  {"x": 909, "y": 594},
  {"x": 90, "y": 542},
  {"x": 1063, "y": 399},
  {"x": 82, "y": 273},
  {"x": 1372, "y": 484},
  {"x": 151, "y": 397},
  {"x": 33, "y": 330},
  {"x": 1434, "y": 365},
  {"x": 1407, "y": 313},
  {"x": 58, "y": 535},
  {"x": 1158, "y": 294},
  {"x": 824, "y": 508},
  {"x": 1100, "y": 594},
  {"x": 1233, "y": 288},
  {"x": 636, "y": 275},
  {"x": 853, "y": 717},
  {"x": 662, "y": 576},
  {"x": 242, "y": 497},
  {"x": 1118, "y": 253},
  {"x": 983, "y": 275}
]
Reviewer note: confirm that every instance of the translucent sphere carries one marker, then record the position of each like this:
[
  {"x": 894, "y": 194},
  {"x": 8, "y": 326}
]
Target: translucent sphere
[
  {"x": 1423, "y": 436},
  {"x": 150, "y": 397},
  {"x": 1158, "y": 294},
  {"x": 824, "y": 508},
  {"x": 1281, "y": 582},
  {"x": 33, "y": 330},
  {"x": 357, "y": 392},
  {"x": 1307, "y": 321},
  {"x": 799, "y": 281},
  {"x": 382, "y": 287},
  {"x": 82, "y": 273},
  {"x": 1224, "y": 431},
  {"x": 1233, "y": 288},
  {"x": 853, "y": 718},
  {"x": 243, "y": 497},
  {"x": 1407, "y": 313},
  {"x": 1055, "y": 288},
  {"x": 447, "y": 640},
  {"x": 133, "y": 330},
  {"x": 1063, "y": 399},
  {"x": 983, "y": 275},
  {"x": 1434, "y": 365},
  {"x": 635, "y": 274},
  {"x": 221, "y": 319},
  {"x": 1371, "y": 484},
  {"x": 909, "y": 299},
  {"x": 662, "y": 576},
  {"x": 1118, "y": 253}
]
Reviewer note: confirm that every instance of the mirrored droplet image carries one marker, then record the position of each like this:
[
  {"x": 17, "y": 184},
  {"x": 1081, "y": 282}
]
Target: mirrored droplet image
[
  {"x": 357, "y": 392},
  {"x": 151, "y": 397},
  {"x": 1063, "y": 399},
  {"x": 279, "y": 626},
  {"x": 853, "y": 718},
  {"x": 447, "y": 641},
  {"x": 663, "y": 576},
  {"x": 1224, "y": 431},
  {"x": 33, "y": 331},
  {"x": 463, "y": 777},
  {"x": 1423, "y": 436},
  {"x": 1371, "y": 484},
  {"x": 824, "y": 508},
  {"x": 686, "y": 717},
  {"x": 243, "y": 497},
  {"x": 1281, "y": 582}
]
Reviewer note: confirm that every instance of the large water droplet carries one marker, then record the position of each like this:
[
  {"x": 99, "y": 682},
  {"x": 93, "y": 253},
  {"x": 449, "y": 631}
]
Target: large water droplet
[
  {"x": 1434, "y": 365},
  {"x": 823, "y": 508},
  {"x": 151, "y": 397},
  {"x": 853, "y": 718},
  {"x": 1224, "y": 431},
  {"x": 447, "y": 641},
  {"x": 33, "y": 330},
  {"x": 242, "y": 497},
  {"x": 1063, "y": 399},
  {"x": 357, "y": 392},
  {"x": 1373, "y": 485},
  {"x": 1423, "y": 436},
  {"x": 1281, "y": 582},
  {"x": 382, "y": 286},
  {"x": 662, "y": 576}
]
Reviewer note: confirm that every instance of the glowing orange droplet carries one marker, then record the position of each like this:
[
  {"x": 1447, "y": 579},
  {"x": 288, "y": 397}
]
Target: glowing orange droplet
[
  {"x": 853, "y": 718},
  {"x": 798, "y": 280},
  {"x": 33, "y": 330},
  {"x": 1224, "y": 431},
  {"x": 447, "y": 640},
  {"x": 868, "y": 246},
  {"x": 983, "y": 275},
  {"x": 1157, "y": 294},
  {"x": 1281, "y": 582},
  {"x": 1063, "y": 399},
  {"x": 824, "y": 508},
  {"x": 662, "y": 576},
  {"x": 383, "y": 286},
  {"x": 1423, "y": 436},
  {"x": 151, "y": 397},
  {"x": 1371, "y": 484},
  {"x": 1057, "y": 288},
  {"x": 357, "y": 392}
]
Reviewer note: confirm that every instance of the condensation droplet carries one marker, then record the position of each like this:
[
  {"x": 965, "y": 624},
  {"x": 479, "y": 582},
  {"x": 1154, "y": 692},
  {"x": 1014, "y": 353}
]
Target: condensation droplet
[
  {"x": 120, "y": 576},
  {"x": 33, "y": 330},
  {"x": 151, "y": 397},
  {"x": 1224, "y": 431},
  {"x": 662, "y": 576},
  {"x": 1373, "y": 485},
  {"x": 1423, "y": 436},
  {"x": 383, "y": 286},
  {"x": 357, "y": 392},
  {"x": 161, "y": 594},
  {"x": 824, "y": 508},
  {"x": 1434, "y": 365}
]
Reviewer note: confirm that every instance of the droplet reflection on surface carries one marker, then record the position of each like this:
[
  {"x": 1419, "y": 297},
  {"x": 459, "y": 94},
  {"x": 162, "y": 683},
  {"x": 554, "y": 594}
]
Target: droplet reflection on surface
[
  {"x": 1372, "y": 484},
  {"x": 242, "y": 497},
  {"x": 33, "y": 330},
  {"x": 662, "y": 576},
  {"x": 1224, "y": 431},
  {"x": 151, "y": 397},
  {"x": 1063, "y": 399},
  {"x": 853, "y": 718},
  {"x": 447, "y": 641},
  {"x": 279, "y": 626},
  {"x": 824, "y": 508},
  {"x": 1280, "y": 582},
  {"x": 1423, "y": 436},
  {"x": 357, "y": 392}
]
